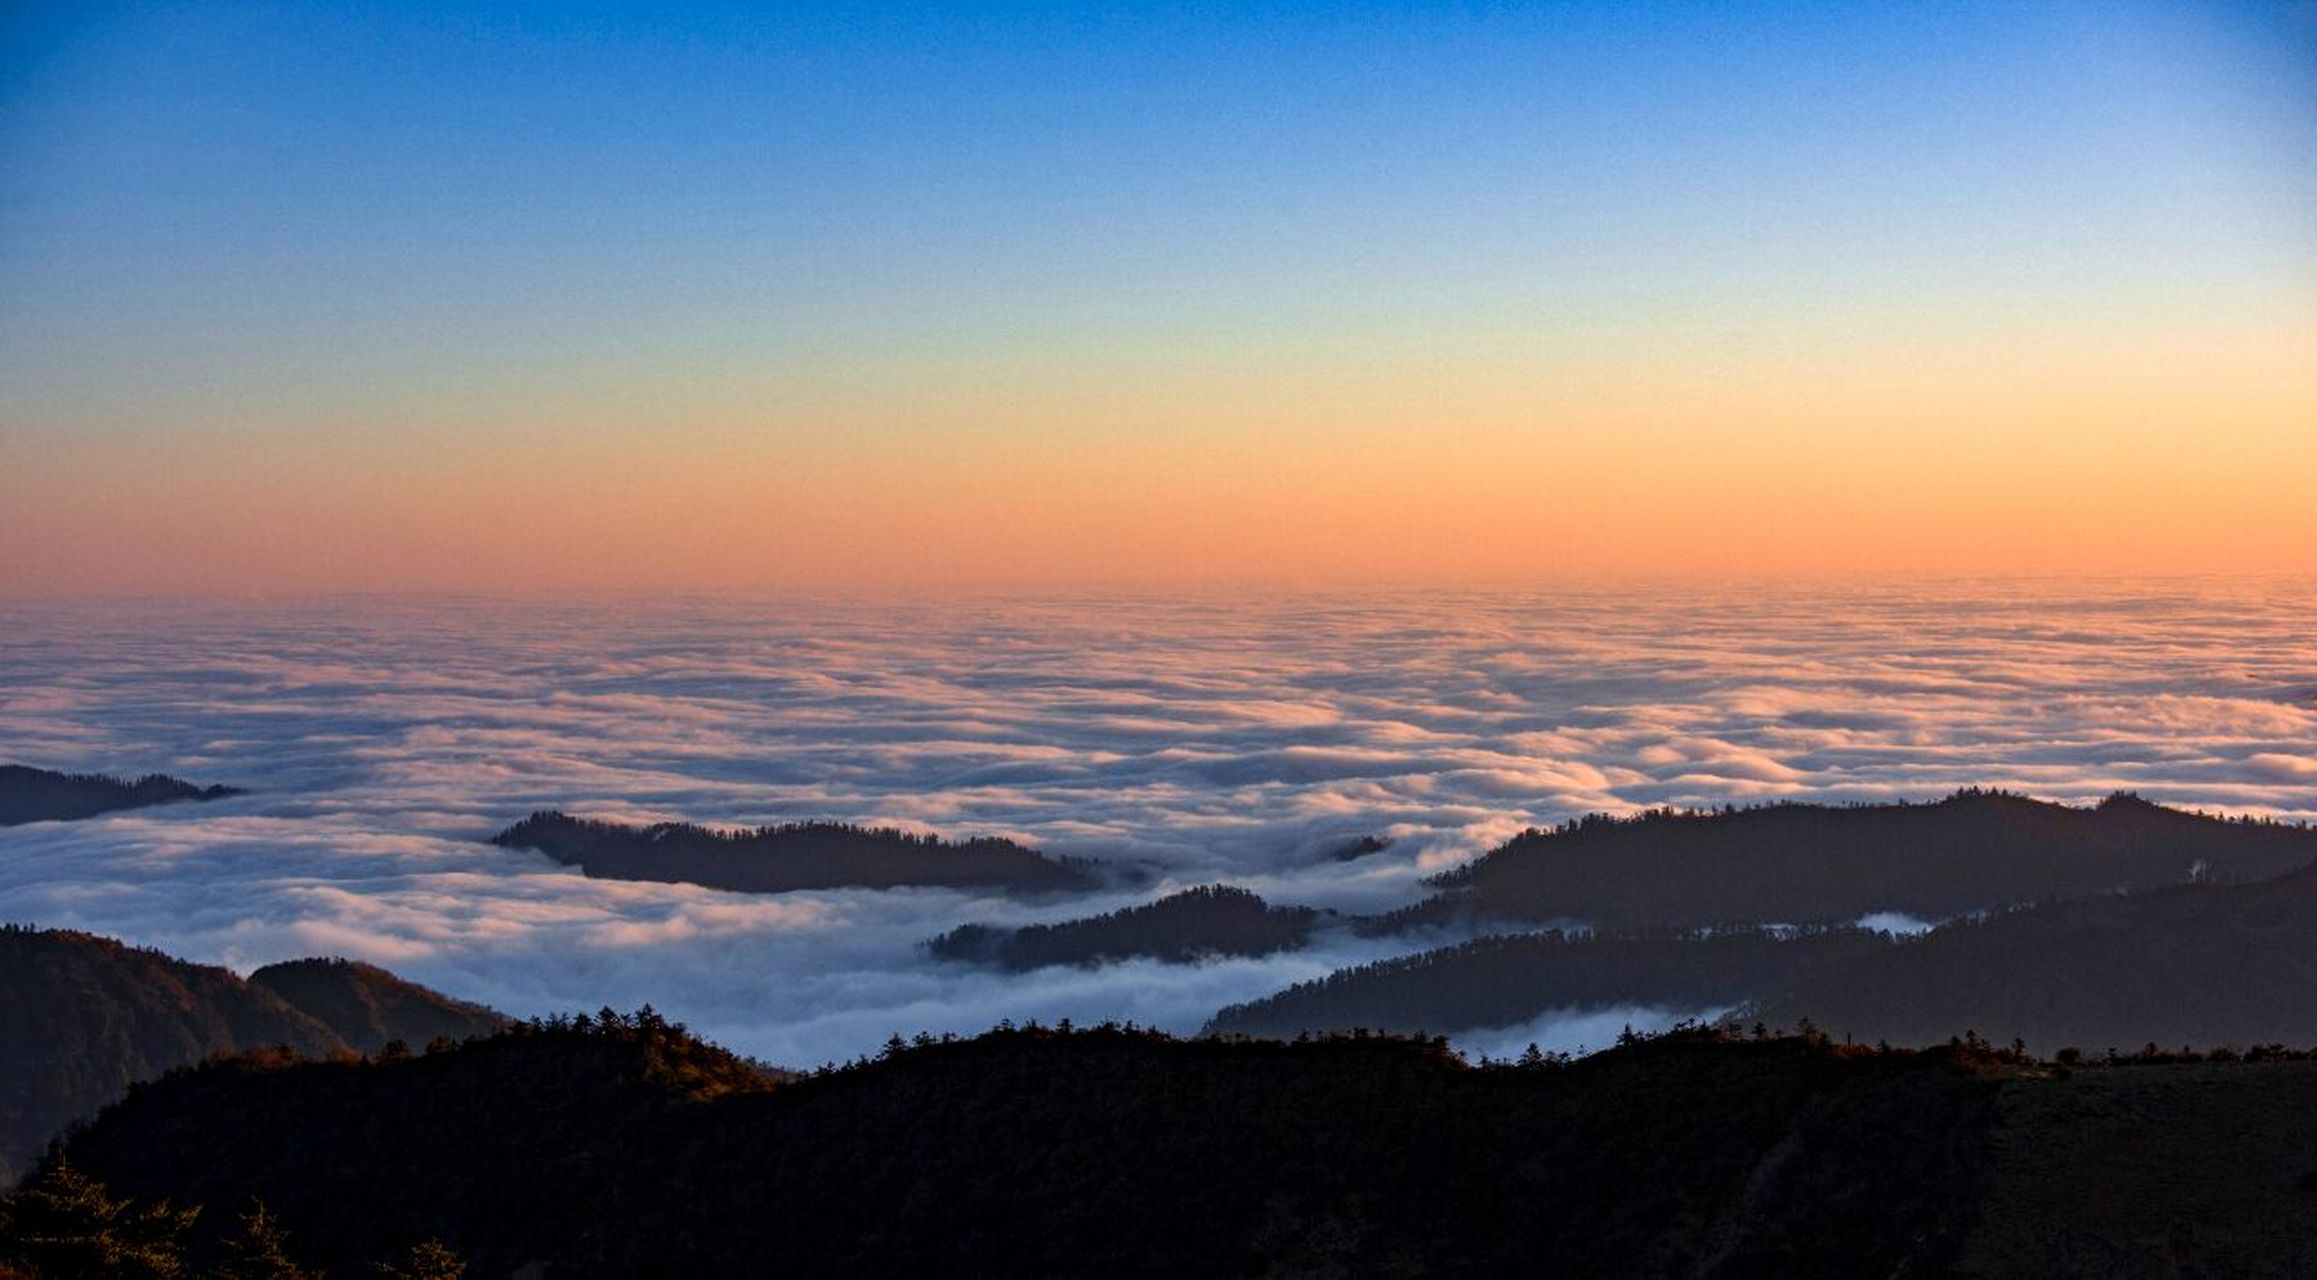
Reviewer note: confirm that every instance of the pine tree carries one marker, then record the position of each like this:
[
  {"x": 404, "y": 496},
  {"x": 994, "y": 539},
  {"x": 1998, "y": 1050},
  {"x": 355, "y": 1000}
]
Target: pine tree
[
  {"x": 260, "y": 1250},
  {"x": 64, "y": 1223},
  {"x": 427, "y": 1260}
]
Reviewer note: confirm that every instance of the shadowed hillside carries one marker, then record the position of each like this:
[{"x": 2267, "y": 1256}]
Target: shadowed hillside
[
  {"x": 2204, "y": 964},
  {"x": 2160, "y": 1171},
  {"x": 1805, "y": 863},
  {"x": 2193, "y": 964},
  {"x": 85, "y": 1016},
  {"x": 369, "y": 1008},
  {"x": 36, "y": 795},
  {"x": 1210, "y": 920},
  {"x": 809, "y": 855},
  {"x": 1502, "y": 981}
]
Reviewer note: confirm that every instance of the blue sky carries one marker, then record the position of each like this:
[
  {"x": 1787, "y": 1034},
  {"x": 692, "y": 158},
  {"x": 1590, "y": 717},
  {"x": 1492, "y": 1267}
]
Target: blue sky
[{"x": 361, "y": 221}]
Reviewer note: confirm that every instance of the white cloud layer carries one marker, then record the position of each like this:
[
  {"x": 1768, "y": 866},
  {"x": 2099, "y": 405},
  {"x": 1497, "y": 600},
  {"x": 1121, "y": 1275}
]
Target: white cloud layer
[{"x": 1211, "y": 739}]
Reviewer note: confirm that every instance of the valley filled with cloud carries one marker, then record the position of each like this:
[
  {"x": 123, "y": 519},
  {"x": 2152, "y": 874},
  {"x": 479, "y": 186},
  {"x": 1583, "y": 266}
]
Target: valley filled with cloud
[{"x": 1185, "y": 740}]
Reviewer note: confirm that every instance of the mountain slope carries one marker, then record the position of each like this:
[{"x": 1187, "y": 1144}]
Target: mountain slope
[
  {"x": 2204, "y": 964},
  {"x": 87, "y": 1016},
  {"x": 2193, "y": 964},
  {"x": 1815, "y": 864},
  {"x": 368, "y": 1008},
  {"x": 1508, "y": 979}
]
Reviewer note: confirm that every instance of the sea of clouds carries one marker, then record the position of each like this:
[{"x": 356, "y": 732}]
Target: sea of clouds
[{"x": 1224, "y": 737}]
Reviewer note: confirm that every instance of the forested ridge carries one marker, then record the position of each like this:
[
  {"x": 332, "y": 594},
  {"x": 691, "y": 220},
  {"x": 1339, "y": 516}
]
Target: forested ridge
[
  {"x": 2199, "y": 964},
  {"x": 2203, "y": 963},
  {"x": 1197, "y": 923},
  {"x": 85, "y": 1016},
  {"x": 799, "y": 855},
  {"x": 35, "y": 795},
  {"x": 620, "y": 1145},
  {"x": 1506, "y": 979},
  {"x": 625, "y": 1149},
  {"x": 1794, "y": 863}
]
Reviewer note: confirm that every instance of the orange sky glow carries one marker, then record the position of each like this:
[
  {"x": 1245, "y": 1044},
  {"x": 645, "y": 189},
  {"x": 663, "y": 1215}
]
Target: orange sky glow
[{"x": 1562, "y": 292}]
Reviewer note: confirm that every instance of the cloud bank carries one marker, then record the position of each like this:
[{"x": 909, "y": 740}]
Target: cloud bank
[{"x": 1214, "y": 738}]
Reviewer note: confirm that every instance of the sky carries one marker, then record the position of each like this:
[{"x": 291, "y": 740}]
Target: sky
[{"x": 577, "y": 297}]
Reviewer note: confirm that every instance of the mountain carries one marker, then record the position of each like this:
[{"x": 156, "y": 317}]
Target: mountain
[
  {"x": 1505, "y": 980},
  {"x": 1819, "y": 864},
  {"x": 1210, "y": 920},
  {"x": 628, "y": 1148},
  {"x": 808, "y": 855},
  {"x": 86, "y": 1016},
  {"x": 2203, "y": 964},
  {"x": 368, "y": 1008},
  {"x": 1101, "y": 1151},
  {"x": 2194, "y": 964},
  {"x": 38, "y": 795}
]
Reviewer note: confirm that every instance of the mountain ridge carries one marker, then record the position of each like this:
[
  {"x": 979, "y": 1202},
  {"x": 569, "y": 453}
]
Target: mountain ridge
[
  {"x": 1181, "y": 928},
  {"x": 1805, "y": 863},
  {"x": 104, "y": 1015},
  {"x": 792, "y": 856},
  {"x": 29, "y": 794}
]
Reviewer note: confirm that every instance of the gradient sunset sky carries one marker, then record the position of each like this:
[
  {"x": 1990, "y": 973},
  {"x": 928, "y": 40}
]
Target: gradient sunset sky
[{"x": 318, "y": 297}]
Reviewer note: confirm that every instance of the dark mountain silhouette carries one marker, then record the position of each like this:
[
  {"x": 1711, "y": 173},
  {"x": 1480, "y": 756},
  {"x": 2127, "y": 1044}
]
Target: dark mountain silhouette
[
  {"x": 1103, "y": 1151},
  {"x": 1351, "y": 850},
  {"x": 37, "y": 795},
  {"x": 1210, "y": 920},
  {"x": 2194, "y": 964},
  {"x": 2205, "y": 964},
  {"x": 1813, "y": 864},
  {"x": 1504, "y": 980},
  {"x": 85, "y": 1016},
  {"x": 808, "y": 855},
  {"x": 627, "y": 1148}
]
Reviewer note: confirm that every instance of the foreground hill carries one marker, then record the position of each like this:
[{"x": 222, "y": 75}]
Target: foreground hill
[
  {"x": 809, "y": 855},
  {"x": 85, "y": 1016},
  {"x": 37, "y": 795},
  {"x": 1210, "y": 920},
  {"x": 1816, "y": 864},
  {"x": 630, "y": 1149},
  {"x": 1107, "y": 1151}
]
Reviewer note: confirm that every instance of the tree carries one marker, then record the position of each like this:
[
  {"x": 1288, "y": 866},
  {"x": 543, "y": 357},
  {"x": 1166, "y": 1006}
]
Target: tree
[
  {"x": 64, "y": 1223},
  {"x": 260, "y": 1250},
  {"x": 427, "y": 1260}
]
